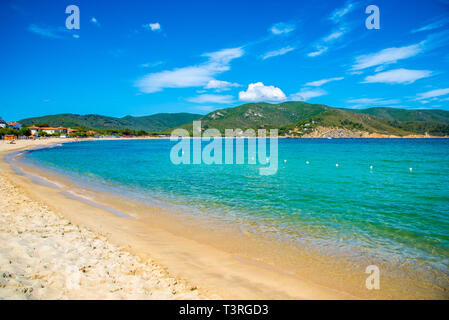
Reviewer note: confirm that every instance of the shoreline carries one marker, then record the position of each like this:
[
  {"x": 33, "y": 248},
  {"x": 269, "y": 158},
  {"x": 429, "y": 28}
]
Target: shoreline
[{"x": 214, "y": 272}]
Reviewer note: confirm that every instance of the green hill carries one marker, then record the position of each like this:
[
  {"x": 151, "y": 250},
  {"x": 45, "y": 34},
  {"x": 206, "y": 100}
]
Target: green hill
[
  {"x": 407, "y": 115},
  {"x": 340, "y": 118},
  {"x": 294, "y": 116},
  {"x": 260, "y": 115},
  {"x": 154, "y": 123}
]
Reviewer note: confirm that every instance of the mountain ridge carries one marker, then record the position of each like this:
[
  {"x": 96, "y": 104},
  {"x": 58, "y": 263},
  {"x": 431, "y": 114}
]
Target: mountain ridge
[
  {"x": 299, "y": 118},
  {"x": 153, "y": 123},
  {"x": 293, "y": 118}
]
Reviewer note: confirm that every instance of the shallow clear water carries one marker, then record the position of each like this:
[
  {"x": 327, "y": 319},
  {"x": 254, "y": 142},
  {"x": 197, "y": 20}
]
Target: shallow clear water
[{"x": 386, "y": 210}]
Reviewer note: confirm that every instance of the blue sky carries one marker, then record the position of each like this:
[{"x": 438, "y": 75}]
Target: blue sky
[{"x": 145, "y": 57}]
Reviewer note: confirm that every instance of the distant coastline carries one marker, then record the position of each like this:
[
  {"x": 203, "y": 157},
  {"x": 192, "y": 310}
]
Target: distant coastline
[{"x": 291, "y": 119}]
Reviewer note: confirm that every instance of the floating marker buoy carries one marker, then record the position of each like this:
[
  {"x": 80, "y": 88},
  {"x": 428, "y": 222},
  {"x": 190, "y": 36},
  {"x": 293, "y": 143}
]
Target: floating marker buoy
[
  {"x": 285, "y": 161},
  {"x": 307, "y": 162},
  {"x": 411, "y": 169},
  {"x": 336, "y": 165},
  {"x": 371, "y": 167}
]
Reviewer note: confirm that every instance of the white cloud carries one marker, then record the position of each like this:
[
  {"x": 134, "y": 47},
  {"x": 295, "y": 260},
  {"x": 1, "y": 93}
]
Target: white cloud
[
  {"x": 405, "y": 76},
  {"x": 151, "y": 64},
  {"x": 282, "y": 28},
  {"x": 365, "y": 102},
  {"x": 219, "y": 85},
  {"x": 259, "y": 92},
  {"x": 323, "y": 44},
  {"x": 95, "y": 21},
  {"x": 320, "y": 50},
  {"x": 46, "y": 31},
  {"x": 204, "y": 108},
  {"x": 319, "y": 83},
  {"x": 307, "y": 94},
  {"x": 211, "y": 98},
  {"x": 433, "y": 94},
  {"x": 223, "y": 57},
  {"x": 336, "y": 34},
  {"x": 191, "y": 76},
  {"x": 386, "y": 56},
  {"x": 339, "y": 13},
  {"x": 432, "y": 26},
  {"x": 279, "y": 52},
  {"x": 152, "y": 26}
]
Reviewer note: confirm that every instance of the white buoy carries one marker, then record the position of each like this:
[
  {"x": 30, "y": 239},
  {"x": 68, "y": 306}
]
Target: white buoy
[
  {"x": 336, "y": 165},
  {"x": 307, "y": 162},
  {"x": 411, "y": 169},
  {"x": 285, "y": 161},
  {"x": 371, "y": 167}
]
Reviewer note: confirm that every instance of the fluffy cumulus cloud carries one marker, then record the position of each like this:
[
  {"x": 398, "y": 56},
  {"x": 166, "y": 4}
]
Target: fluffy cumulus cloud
[
  {"x": 403, "y": 76},
  {"x": 211, "y": 98},
  {"x": 319, "y": 83},
  {"x": 307, "y": 94},
  {"x": 191, "y": 76},
  {"x": 260, "y": 92},
  {"x": 276, "y": 53},
  {"x": 282, "y": 28},
  {"x": 386, "y": 56},
  {"x": 219, "y": 85}
]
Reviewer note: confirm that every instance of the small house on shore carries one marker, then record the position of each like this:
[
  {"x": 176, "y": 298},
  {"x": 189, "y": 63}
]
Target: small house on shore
[{"x": 47, "y": 130}]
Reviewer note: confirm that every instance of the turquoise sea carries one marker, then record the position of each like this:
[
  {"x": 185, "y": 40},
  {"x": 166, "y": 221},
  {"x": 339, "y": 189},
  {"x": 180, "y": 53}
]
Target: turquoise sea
[{"x": 388, "y": 198}]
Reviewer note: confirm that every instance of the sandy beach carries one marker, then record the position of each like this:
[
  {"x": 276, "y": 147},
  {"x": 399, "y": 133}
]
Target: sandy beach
[{"x": 44, "y": 256}]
